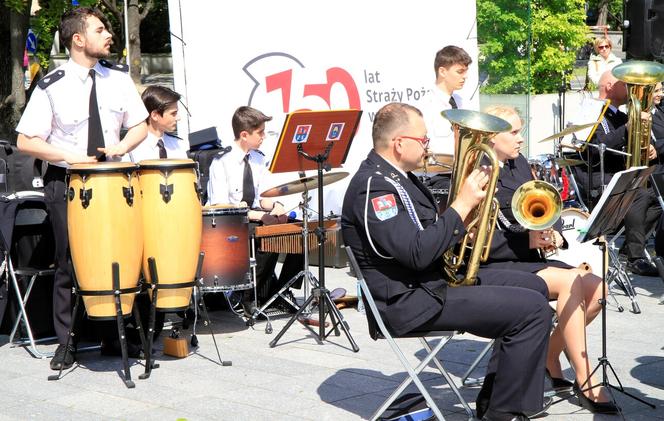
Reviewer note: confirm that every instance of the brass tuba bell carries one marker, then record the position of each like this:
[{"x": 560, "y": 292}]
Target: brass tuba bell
[{"x": 640, "y": 78}]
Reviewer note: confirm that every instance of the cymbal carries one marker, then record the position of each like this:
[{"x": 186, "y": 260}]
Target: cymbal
[
  {"x": 438, "y": 163},
  {"x": 567, "y": 162},
  {"x": 302, "y": 184},
  {"x": 569, "y": 130}
]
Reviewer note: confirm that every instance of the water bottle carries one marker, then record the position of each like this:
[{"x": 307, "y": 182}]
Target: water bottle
[{"x": 360, "y": 303}]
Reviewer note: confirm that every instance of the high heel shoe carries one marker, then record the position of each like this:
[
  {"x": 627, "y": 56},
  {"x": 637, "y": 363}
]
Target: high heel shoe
[
  {"x": 559, "y": 384},
  {"x": 594, "y": 407}
]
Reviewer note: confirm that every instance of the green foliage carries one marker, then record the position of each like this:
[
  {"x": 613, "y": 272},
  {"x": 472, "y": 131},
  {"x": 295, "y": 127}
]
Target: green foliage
[
  {"x": 615, "y": 9},
  {"x": 18, "y": 6},
  {"x": 527, "y": 45}
]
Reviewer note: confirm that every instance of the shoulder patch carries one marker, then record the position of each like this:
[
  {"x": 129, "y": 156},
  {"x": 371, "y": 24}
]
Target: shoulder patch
[
  {"x": 385, "y": 207},
  {"x": 50, "y": 78},
  {"x": 115, "y": 66}
]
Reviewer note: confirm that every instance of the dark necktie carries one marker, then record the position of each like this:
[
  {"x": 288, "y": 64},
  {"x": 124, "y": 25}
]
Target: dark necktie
[
  {"x": 248, "y": 191},
  {"x": 453, "y": 103},
  {"x": 162, "y": 149},
  {"x": 95, "y": 133}
]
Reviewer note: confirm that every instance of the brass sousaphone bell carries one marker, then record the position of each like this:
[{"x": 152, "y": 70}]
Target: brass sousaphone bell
[{"x": 640, "y": 78}]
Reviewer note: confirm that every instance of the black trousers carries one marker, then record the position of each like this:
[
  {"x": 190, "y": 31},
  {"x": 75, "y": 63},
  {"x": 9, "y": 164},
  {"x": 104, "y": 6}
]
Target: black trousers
[
  {"x": 512, "y": 307},
  {"x": 54, "y": 196},
  {"x": 640, "y": 220}
]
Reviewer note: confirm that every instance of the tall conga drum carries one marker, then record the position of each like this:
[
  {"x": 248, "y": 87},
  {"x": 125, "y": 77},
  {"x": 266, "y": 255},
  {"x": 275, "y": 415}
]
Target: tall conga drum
[
  {"x": 105, "y": 226},
  {"x": 171, "y": 227}
]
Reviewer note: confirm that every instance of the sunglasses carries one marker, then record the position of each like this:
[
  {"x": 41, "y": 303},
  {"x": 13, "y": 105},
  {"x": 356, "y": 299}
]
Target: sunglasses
[{"x": 601, "y": 47}]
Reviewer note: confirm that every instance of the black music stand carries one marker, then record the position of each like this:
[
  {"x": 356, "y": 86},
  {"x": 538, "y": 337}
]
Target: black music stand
[
  {"x": 317, "y": 140},
  {"x": 606, "y": 217}
]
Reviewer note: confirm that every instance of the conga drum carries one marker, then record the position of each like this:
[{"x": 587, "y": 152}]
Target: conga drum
[
  {"x": 171, "y": 227},
  {"x": 104, "y": 221},
  {"x": 226, "y": 246}
]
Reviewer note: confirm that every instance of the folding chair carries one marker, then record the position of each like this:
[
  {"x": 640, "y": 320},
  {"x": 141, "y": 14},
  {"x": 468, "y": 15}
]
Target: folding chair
[
  {"x": 378, "y": 330},
  {"x": 30, "y": 215}
]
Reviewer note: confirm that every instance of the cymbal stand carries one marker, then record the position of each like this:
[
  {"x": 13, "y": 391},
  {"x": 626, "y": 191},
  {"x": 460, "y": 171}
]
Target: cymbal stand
[{"x": 320, "y": 293}]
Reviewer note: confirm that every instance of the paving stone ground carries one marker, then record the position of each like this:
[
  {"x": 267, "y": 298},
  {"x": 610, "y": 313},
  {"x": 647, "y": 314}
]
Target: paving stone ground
[{"x": 302, "y": 380}]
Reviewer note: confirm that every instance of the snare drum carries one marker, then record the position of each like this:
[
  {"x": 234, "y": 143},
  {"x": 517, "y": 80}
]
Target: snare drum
[
  {"x": 172, "y": 227},
  {"x": 577, "y": 253},
  {"x": 226, "y": 246},
  {"x": 105, "y": 226}
]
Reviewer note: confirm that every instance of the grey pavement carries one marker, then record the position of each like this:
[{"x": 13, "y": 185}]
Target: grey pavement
[{"x": 300, "y": 379}]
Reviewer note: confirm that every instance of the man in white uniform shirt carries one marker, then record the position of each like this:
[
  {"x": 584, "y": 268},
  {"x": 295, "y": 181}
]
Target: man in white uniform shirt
[
  {"x": 68, "y": 122},
  {"x": 451, "y": 67},
  {"x": 162, "y": 106},
  {"x": 237, "y": 178}
]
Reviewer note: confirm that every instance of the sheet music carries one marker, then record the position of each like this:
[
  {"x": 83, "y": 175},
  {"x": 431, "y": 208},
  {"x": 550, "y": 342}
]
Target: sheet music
[
  {"x": 611, "y": 208},
  {"x": 589, "y": 110}
]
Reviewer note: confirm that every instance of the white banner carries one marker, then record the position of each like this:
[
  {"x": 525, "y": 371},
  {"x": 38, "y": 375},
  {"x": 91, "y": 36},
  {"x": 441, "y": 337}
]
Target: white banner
[{"x": 280, "y": 57}]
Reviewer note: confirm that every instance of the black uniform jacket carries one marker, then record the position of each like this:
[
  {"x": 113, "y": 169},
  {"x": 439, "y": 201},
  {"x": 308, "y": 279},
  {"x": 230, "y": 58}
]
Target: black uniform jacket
[
  {"x": 509, "y": 246},
  {"x": 407, "y": 283}
]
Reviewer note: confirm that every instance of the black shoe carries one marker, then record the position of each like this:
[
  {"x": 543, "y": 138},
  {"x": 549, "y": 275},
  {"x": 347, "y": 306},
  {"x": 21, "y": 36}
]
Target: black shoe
[
  {"x": 249, "y": 308},
  {"x": 594, "y": 407},
  {"x": 502, "y": 416},
  {"x": 642, "y": 267},
  {"x": 559, "y": 384},
  {"x": 112, "y": 348},
  {"x": 64, "y": 357}
]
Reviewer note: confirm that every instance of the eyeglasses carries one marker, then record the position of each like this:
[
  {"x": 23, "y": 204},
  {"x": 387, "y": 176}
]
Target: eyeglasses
[
  {"x": 424, "y": 141},
  {"x": 601, "y": 47}
]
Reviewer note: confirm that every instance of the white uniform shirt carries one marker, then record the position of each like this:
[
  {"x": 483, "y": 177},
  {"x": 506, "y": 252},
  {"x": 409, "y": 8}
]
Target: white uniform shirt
[
  {"x": 439, "y": 128},
  {"x": 175, "y": 148},
  {"x": 59, "y": 113},
  {"x": 227, "y": 176}
]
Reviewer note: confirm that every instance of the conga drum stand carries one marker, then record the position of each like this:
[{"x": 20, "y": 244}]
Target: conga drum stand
[
  {"x": 156, "y": 286},
  {"x": 116, "y": 292}
]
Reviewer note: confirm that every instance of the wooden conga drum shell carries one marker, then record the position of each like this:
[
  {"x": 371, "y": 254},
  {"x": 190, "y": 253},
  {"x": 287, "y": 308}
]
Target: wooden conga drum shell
[
  {"x": 225, "y": 243},
  {"x": 171, "y": 226},
  {"x": 104, "y": 229}
]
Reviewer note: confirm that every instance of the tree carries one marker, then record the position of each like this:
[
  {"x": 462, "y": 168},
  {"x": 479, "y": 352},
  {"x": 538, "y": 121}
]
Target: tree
[
  {"x": 528, "y": 46},
  {"x": 14, "y": 19},
  {"x": 136, "y": 12}
]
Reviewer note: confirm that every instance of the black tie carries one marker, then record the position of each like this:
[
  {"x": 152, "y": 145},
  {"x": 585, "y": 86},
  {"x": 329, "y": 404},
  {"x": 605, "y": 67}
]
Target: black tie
[
  {"x": 162, "y": 149},
  {"x": 248, "y": 191},
  {"x": 95, "y": 133},
  {"x": 453, "y": 103}
]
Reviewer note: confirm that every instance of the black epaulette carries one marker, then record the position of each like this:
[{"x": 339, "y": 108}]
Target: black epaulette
[
  {"x": 172, "y": 135},
  {"x": 223, "y": 151},
  {"x": 115, "y": 66},
  {"x": 258, "y": 151},
  {"x": 51, "y": 78}
]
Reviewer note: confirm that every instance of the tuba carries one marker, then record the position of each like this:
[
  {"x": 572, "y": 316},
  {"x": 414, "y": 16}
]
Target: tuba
[
  {"x": 640, "y": 78},
  {"x": 472, "y": 130}
]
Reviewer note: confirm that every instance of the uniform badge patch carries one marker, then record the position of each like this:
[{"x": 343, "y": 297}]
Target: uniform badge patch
[{"x": 385, "y": 207}]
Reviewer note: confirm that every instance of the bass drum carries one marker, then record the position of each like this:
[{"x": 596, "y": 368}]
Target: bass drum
[{"x": 578, "y": 253}]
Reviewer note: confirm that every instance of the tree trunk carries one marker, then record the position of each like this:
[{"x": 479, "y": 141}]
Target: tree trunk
[
  {"x": 603, "y": 12},
  {"x": 134, "y": 24},
  {"x": 13, "y": 101}
]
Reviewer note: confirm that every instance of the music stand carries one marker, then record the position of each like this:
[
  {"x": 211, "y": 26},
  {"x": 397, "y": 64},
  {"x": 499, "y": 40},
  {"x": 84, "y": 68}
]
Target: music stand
[
  {"x": 606, "y": 217},
  {"x": 317, "y": 140}
]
